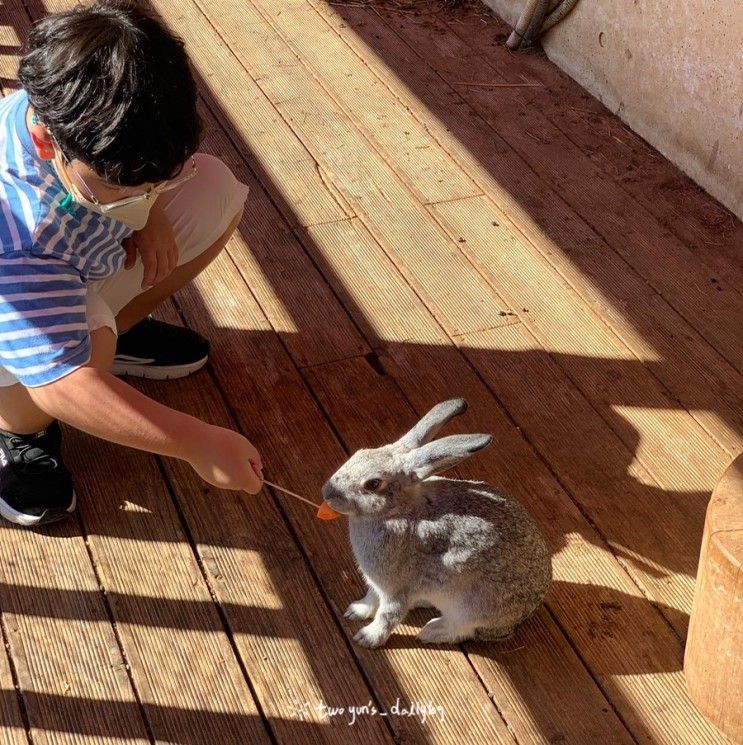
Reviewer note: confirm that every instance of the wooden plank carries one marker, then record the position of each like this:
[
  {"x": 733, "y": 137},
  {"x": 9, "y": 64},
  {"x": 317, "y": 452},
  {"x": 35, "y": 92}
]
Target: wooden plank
[
  {"x": 538, "y": 683},
  {"x": 386, "y": 124},
  {"x": 616, "y": 492},
  {"x": 286, "y": 635},
  {"x": 427, "y": 170},
  {"x": 712, "y": 232},
  {"x": 306, "y": 315},
  {"x": 675, "y": 449},
  {"x": 184, "y": 668},
  {"x": 274, "y": 153},
  {"x": 363, "y": 176},
  {"x": 695, "y": 373},
  {"x": 326, "y": 65},
  {"x": 75, "y": 657},
  {"x": 626, "y": 644},
  {"x": 13, "y": 731},
  {"x": 681, "y": 277},
  {"x": 271, "y": 404},
  {"x": 555, "y": 692}
]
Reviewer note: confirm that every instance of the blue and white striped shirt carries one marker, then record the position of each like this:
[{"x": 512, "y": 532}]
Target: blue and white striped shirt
[{"x": 48, "y": 255}]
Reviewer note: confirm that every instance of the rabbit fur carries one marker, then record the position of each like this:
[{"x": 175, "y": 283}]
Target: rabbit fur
[{"x": 420, "y": 540}]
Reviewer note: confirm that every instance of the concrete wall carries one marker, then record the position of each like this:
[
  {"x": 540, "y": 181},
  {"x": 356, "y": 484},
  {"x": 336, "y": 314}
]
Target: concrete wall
[{"x": 671, "y": 69}]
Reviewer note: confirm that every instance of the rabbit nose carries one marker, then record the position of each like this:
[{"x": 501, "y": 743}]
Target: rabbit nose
[{"x": 329, "y": 491}]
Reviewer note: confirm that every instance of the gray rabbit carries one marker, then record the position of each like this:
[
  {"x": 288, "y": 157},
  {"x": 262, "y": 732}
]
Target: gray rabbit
[{"x": 423, "y": 541}]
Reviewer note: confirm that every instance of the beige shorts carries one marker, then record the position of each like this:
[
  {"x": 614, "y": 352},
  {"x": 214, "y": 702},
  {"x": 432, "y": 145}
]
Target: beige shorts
[{"x": 200, "y": 211}]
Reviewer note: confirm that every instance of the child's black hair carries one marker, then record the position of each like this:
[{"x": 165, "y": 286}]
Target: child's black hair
[{"x": 116, "y": 90}]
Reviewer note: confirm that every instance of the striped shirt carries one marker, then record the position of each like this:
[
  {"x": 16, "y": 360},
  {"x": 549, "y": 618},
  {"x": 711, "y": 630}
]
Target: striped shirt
[{"x": 48, "y": 255}]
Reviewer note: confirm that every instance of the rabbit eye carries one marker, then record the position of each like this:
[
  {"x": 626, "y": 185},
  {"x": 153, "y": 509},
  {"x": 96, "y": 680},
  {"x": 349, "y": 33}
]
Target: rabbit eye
[{"x": 372, "y": 484}]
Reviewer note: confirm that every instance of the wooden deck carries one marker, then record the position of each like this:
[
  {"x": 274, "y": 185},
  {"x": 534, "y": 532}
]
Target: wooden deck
[{"x": 416, "y": 229}]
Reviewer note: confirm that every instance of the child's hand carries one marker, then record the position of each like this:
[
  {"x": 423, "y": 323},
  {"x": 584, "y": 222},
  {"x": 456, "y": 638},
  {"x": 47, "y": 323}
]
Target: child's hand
[
  {"x": 228, "y": 460},
  {"x": 156, "y": 245}
]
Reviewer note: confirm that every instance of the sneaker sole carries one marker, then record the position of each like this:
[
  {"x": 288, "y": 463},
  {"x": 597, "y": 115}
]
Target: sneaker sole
[
  {"x": 157, "y": 372},
  {"x": 21, "y": 518}
]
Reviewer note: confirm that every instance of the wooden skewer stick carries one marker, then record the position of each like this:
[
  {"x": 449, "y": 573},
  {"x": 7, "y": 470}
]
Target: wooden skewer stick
[{"x": 290, "y": 493}]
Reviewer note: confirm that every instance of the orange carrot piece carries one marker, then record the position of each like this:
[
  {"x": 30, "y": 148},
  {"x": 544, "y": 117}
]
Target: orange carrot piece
[{"x": 326, "y": 512}]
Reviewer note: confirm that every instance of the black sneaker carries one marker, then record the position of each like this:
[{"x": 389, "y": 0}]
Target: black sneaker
[
  {"x": 35, "y": 486},
  {"x": 159, "y": 351}
]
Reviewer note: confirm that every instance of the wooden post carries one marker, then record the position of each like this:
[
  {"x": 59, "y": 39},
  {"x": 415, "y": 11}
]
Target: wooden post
[{"x": 713, "y": 663}]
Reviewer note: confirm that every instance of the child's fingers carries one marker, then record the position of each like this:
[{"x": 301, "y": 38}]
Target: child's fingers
[
  {"x": 255, "y": 484},
  {"x": 255, "y": 457},
  {"x": 158, "y": 268},
  {"x": 174, "y": 255},
  {"x": 167, "y": 261},
  {"x": 131, "y": 253},
  {"x": 162, "y": 268},
  {"x": 149, "y": 263}
]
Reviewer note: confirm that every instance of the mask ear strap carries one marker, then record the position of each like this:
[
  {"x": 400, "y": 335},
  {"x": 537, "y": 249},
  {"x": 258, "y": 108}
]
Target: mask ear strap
[{"x": 67, "y": 204}]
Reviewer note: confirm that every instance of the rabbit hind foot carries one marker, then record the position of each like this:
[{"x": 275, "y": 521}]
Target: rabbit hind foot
[{"x": 441, "y": 630}]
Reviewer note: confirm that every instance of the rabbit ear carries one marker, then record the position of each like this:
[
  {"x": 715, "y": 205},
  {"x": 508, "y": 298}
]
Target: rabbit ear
[
  {"x": 443, "y": 454},
  {"x": 431, "y": 423}
]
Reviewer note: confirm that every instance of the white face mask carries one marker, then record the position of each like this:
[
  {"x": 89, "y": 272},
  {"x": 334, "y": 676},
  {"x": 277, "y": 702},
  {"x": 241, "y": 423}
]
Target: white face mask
[{"x": 134, "y": 214}]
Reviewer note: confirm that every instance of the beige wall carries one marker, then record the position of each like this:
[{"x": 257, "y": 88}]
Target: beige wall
[{"x": 671, "y": 69}]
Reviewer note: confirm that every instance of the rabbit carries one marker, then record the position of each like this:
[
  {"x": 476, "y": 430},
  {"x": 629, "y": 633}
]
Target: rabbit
[{"x": 420, "y": 540}]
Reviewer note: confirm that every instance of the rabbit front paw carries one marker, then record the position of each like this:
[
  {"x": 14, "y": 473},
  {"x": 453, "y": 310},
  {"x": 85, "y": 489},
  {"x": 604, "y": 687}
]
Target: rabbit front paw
[
  {"x": 365, "y": 608},
  {"x": 360, "y": 610},
  {"x": 372, "y": 635}
]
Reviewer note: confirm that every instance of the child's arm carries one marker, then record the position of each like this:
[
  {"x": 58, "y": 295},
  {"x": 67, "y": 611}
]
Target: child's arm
[{"x": 97, "y": 402}]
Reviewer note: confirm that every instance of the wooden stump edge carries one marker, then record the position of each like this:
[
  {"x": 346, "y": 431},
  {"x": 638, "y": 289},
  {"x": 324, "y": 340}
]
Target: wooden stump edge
[{"x": 713, "y": 660}]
